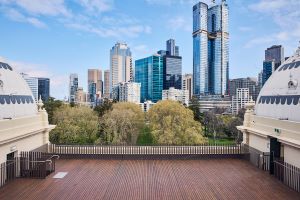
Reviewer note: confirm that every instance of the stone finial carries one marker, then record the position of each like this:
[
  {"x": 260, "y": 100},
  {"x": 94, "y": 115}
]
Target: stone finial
[
  {"x": 40, "y": 104},
  {"x": 250, "y": 105}
]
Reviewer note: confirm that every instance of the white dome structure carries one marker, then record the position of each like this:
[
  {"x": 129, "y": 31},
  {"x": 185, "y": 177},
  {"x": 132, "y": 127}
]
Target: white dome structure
[
  {"x": 272, "y": 125},
  {"x": 280, "y": 96},
  {"x": 24, "y": 124},
  {"x": 16, "y": 99}
]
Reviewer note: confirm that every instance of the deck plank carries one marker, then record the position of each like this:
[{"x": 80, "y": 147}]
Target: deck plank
[{"x": 152, "y": 179}]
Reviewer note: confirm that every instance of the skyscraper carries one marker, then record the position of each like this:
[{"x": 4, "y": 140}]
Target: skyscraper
[
  {"x": 172, "y": 66},
  {"x": 210, "y": 49},
  {"x": 44, "y": 88},
  {"x": 187, "y": 84},
  {"x": 171, "y": 48},
  {"x": 268, "y": 69},
  {"x": 149, "y": 72},
  {"x": 106, "y": 93},
  {"x": 33, "y": 85},
  {"x": 275, "y": 53},
  {"x": 95, "y": 84},
  {"x": 73, "y": 87},
  {"x": 120, "y": 64}
]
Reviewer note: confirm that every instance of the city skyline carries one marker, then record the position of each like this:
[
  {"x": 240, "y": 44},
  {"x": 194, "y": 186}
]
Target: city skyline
[{"x": 54, "y": 47}]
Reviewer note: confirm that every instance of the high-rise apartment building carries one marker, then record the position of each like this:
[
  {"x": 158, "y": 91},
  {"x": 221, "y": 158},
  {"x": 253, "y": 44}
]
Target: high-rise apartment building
[
  {"x": 239, "y": 100},
  {"x": 210, "y": 49},
  {"x": 275, "y": 53},
  {"x": 44, "y": 88},
  {"x": 120, "y": 64},
  {"x": 33, "y": 85},
  {"x": 176, "y": 95},
  {"x": 81, "y": 96},
  {"x": 268, "y": 69},
  {"x": 149, "y": 72},
  {"x": 249, "y": 82},
  {"x": 129, "y": 92},
  {"x": 187, "y": 84},
  {"x": 95, "y": 84},
  {"x": 106, "y": 93},
  {"x": 73, "y": 87}
]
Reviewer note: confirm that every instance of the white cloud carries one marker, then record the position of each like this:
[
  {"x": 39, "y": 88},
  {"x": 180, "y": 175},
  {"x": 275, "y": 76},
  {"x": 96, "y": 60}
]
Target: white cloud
[
  {"x": 180, "y": 23},
  {"x": 58, "y": 82},
  {"x": 285, "y": 14},
  {"x": 171, "y": 2},
  {"x": 245, "y": 28},
  {"x": 17, "y": 16},
  {"x": 117, "y": 25},
  {"x": 43, "y": 7},
  {"x": 97, "y": 5},
  {"x": 114, "y": 31}
]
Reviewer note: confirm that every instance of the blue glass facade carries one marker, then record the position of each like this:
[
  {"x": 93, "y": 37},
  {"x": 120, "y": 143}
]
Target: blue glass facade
[
  {"x": 92, "y": 88},
  {"x": 149, "y": 72},
  {"x": 172, "y": 72},
  {"x": 200, "y": 49},
  {"x": 268, "y": 68},
  {"x": 44, "y": 88},
  {"x": 210, "y": 49}
]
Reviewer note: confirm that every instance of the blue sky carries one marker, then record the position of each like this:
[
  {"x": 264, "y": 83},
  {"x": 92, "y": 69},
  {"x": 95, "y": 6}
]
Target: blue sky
[{"x": 53, "y": 38}]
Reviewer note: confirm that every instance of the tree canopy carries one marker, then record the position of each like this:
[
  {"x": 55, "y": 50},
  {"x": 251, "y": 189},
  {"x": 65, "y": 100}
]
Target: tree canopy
[
  {"x": 74, "y": 125},
  {"x": 51, "y": 105},
  {"x": 172, "y": 123},
  {"x": 122, "y": 124}
]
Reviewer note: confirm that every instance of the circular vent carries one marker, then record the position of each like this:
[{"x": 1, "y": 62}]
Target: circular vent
[{"x": 292, "y": 84}]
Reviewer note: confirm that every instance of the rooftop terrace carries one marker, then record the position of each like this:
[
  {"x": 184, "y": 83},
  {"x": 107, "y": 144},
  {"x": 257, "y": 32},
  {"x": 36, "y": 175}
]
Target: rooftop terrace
[{"x": 151, "y": 179}]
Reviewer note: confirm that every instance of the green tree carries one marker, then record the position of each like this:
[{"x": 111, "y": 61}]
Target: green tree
[
  {"x": 122, "y": 124},
  {"x": 51, "y": 105},
  {"x": 74, "y": 125},
  {"x": 104, "y": 107},
  {"x": 195, "y": 107},
  {"x": 172, "y": 123}
]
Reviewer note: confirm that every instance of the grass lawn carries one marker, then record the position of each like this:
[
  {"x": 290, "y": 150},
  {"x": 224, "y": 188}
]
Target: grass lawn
[
  {"x": 226, "y": 141},
  {"x": 145, "y": 137}
]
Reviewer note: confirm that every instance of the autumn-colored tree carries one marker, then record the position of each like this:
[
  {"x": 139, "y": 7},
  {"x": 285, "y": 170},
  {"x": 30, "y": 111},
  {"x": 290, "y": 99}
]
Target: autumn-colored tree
[
  {"x": 122, "y": 124},
  {"x": 172, "y": 123},
  {"x": 74, "y": 125}
]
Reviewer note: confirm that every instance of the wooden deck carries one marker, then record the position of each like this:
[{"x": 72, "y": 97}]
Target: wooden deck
[{"x": 151, "y": 179}]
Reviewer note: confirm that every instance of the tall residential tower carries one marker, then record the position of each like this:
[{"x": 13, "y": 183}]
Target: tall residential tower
[
  {"x": 210, "y": 49},
  {"x": 120, "y": 64},
  {"x": 73, "y": 87}
]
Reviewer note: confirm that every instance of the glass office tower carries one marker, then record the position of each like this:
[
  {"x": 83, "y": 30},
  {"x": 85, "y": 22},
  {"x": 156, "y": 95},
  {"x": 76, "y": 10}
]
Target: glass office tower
[
  {"x": 44, "y": 88},
  {"x": 149, "y": 72},
  {"x": 172, "y": 72},
  {"x": 210, "y": 49},
  {"x": 200, "y": 49}
]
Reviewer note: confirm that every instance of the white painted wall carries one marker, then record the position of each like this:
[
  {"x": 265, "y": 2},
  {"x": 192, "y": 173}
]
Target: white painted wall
[
  {"x": 292, "y": 155},
  {"x": 259, "y": 143},
  {"x": 25, "y": 144}
]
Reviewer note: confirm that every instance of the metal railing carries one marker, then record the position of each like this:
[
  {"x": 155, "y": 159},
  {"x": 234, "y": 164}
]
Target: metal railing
[
  {"x": 27, "y": 165},
  {"x": 144, "y": 152},
  {"x": 258, "y": 158},
  {"x": 288, "y": 174}
]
